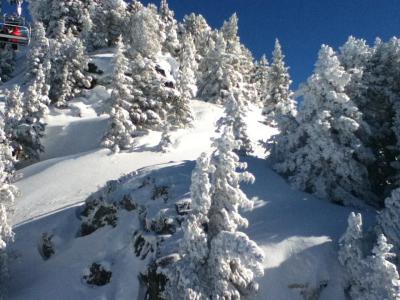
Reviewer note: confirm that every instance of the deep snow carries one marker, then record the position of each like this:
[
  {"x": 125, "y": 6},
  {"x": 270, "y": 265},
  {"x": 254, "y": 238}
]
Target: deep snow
[{"x": 297, "y": 232}]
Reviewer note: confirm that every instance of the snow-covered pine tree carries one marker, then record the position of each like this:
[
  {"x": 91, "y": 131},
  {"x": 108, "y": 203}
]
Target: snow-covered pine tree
[
  {"x": 170, "y": 25},
  {"x": 144, "y": 33},
  {"x": 50, "y": 12},
  {"x": 69, "y": 63},
  {"x": 120, "y": 132},
  {"x": 7, "y": 62},
  {"x": 328, "y": 157},
  {"x": 382, "y": 281},
  {"x": 235, "y": 113},
  {"x": 151, "y": 98},
  {"x": 108, "y": 18},
  {"x": 231, "y": 253},
  {"x": 8, "y": 192},
  {"x": 36, "y": 99},
  {"x": 215, "y": 255},
  {"x": 187, "y": 278},
  {"x": 13, "y": 113},
  {"x": 260, "y": 79},
  {"x": 389, "y": 219},
  {"x": 351, "y": 255},
  {"x": 279, "y": 107},
  {"x": 354, "y": 56},
  {"x": 22, "y": 122},
  {"x": 379, "y": 105},
  {"x": 188, "y": 68},
  {"x": 212, "y": 73},
  {"x": 280, "y": 103},
  {"x": 239, "y": 60},
  {"x": 201, "y": 33},
  {"x": 38, "y": 50}
]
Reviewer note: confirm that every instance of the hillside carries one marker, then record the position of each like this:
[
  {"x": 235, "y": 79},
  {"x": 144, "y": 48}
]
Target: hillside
[{"x": 297, "y": 232}]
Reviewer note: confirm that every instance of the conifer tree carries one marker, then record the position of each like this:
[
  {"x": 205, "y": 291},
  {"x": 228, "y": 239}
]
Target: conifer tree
[
  {"x": 8, "y": 193},
  {"x": 188, "y": 68},
  {"x": 261, "y": 80},
  {"x": 382, "y": 281},
  {"x": 39, "y": 49},
  {"x": 144, "y": 33},
  {"x": 69, "y": 63},
  {"x": 389, "y": 218},
  {"x": 201, "y": 32},
  {"x": 108, "y": 19},
  {"x": 120, "y": 132},
  {"x": 235, "y": 114},
  {"x": 170, "y": 26},
  {"x": 7, "y": 62},
  {"x": 215, "y": 255},
  {"x": 350, "y": 252},
  {"x": 327, "y": 158},
  {"x": 280, "y": 103}
]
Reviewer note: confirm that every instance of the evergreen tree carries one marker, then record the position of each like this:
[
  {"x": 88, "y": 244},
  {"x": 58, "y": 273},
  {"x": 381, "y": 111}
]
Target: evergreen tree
[
  {"x": 8, "y": 192},
  {"x": 145, "y": 33},
  {"x": 235, "y": 115},
  {"x": 7, "y": 62},
  {"x": 327, "y": 158},
  {"x": 120, "y": 132},
  {"x": 171, "y": 43},
  {"x": 280, "y": 103},
  {"x": 389, "y": 218},
  {"x": 350, "y": 252},
  {"x": 50, "y": 12},
  {"x": 382, "y": 281},
  {"x": 39, "y": 49},
  {"x": 22, "y": 123},
  {"x": 201, "y": 32},
  {"x": 261, "y": 80},
  {"x": 151, "y": 97},
  {"x": 108, "y": 19},
  {"x": 218, "y": 261},
  {"x": 68, "y": 67},
  {"x": 379, "y": 105},
  {"x": 188, "y": 68}
]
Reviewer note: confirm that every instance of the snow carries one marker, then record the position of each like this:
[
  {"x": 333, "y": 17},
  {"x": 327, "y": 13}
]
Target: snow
[{"x": 297, "y": 232}]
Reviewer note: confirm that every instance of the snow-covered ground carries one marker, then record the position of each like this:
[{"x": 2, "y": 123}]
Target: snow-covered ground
[{"x": 297, "y": 232}]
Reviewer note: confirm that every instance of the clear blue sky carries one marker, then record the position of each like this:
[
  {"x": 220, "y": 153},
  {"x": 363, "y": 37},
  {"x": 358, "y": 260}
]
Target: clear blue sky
[{"x": 301, "y": 25}]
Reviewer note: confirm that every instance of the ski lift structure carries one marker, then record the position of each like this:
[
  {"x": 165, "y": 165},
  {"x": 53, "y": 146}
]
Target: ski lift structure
[{"x": 14, "y": 29}]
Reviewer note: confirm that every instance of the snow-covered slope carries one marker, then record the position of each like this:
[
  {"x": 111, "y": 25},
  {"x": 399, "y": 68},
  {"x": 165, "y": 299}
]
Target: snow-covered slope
[{"x": 297, "y": 232}]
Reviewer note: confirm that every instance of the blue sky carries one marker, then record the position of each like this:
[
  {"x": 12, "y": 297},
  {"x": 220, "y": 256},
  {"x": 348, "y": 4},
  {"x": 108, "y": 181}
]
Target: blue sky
[{"x": 301, "y": 25}]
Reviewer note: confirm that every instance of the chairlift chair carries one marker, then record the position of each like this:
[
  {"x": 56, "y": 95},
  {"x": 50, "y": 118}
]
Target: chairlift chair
[{"x": 14, "y": 30}]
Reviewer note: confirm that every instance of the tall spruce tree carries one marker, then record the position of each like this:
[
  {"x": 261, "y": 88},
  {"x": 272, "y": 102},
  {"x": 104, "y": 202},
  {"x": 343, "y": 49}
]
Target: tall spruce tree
[
  {"x": 215, "y": 255},
  {"x": 120, "y": 131},
  {"x": 327, "y": 158}
]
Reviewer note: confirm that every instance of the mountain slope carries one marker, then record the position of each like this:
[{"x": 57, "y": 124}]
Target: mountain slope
[{"x": 297, "y": 232}]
